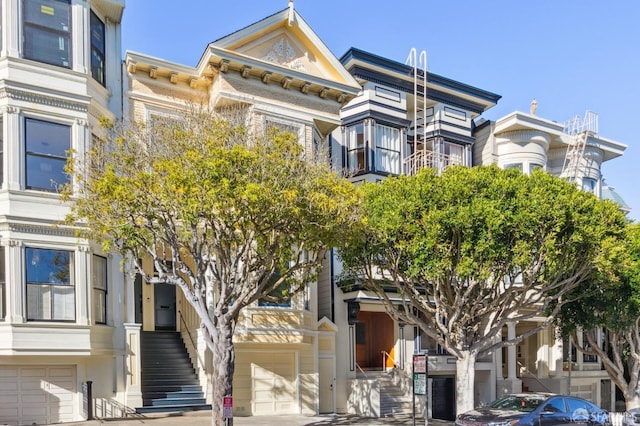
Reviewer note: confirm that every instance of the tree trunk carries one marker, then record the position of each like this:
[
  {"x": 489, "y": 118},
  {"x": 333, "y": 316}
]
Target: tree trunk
[
  {"x": 632, "y": 400},
  {"x": 465, "y": 377},
  {"x": 222, "y": 378}
]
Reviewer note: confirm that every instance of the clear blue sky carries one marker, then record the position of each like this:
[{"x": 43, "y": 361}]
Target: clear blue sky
[{"x": 570, "y": 55}]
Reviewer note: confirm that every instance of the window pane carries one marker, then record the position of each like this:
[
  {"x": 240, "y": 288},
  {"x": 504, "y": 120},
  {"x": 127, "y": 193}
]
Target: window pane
[
  {"x": 52, "y": 14},
  {"x": 47, "y": 29},
  {"x": 387, "y": 153},
  {"x": 99, "y": 289},
  {"x": 50, "y": 290},
  {"x": 356, "y": 148},
  {"x": 279, "y": 296},
  {"x": 46, "y": 147},
  {"x": 97, "y": 48},
  {"x": 453, "y": 154},
  {"x": 48, "y": 266},
  {"x": 47, "y": 138}
]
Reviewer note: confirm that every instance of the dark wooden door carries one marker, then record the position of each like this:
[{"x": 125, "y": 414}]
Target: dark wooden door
[{"x": 374, "y": 334}]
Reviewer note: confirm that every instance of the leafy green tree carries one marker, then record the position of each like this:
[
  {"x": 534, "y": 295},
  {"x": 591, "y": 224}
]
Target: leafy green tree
[
  {"x": 471, "y": 250},
  {"x": 226, "y": 215},
  {"x": 612, "y": 312}
]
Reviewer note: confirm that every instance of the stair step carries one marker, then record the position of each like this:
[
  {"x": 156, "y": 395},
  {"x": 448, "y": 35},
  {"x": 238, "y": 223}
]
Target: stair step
[
  {"x": 172, "y": 409},
  {"x": 173, "y": 402},
  {"x": 171, "y": 388},
  {"x": 169, "y": 381}
]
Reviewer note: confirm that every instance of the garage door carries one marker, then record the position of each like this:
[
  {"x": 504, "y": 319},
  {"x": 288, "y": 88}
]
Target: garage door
[
  {"x": 39, "y": 395},
  {"x": 268, "y": 380}
]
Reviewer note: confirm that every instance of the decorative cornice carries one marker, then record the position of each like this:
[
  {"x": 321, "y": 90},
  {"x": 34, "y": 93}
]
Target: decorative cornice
[
  {"x": 21, "y": 95},
  {"x": 38, "y": 229}
]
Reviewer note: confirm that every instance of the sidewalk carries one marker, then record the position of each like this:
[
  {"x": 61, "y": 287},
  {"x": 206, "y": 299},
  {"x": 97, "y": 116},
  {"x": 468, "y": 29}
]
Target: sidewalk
[{"x": 203, "y": 418}]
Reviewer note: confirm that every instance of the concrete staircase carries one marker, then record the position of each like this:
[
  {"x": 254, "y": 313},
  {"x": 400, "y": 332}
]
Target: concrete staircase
[
  {"x": 169, "y": 381},
  {"x": 395, "y": 399}
]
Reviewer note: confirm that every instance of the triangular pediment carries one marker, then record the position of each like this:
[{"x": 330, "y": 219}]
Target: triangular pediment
[{"x": 286, "y": 41}]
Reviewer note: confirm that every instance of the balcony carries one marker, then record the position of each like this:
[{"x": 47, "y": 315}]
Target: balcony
[{"x": 423, "y": 159}]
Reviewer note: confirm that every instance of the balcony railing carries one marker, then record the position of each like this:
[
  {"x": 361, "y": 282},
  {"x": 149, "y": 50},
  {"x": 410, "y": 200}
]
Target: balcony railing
[{"x": 428, "y": 159}]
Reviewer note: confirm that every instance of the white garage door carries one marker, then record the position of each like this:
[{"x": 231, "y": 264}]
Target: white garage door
[
  {"x": 40, "y": 395},
  {"x": 271, "y": 379}
]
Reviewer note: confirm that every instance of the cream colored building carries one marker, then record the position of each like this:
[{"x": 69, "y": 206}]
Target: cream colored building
[{"x": 70, "y": 315}]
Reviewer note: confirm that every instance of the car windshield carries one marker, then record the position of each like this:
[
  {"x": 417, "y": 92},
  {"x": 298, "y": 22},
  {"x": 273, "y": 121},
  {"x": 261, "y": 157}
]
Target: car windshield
[{"x": 523, "y": 403}]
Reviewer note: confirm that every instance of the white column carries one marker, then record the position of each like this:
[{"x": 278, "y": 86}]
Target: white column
[
  {"x": 80, "y": 36},
  {"x": 15, "y": 289},
  {"x": 542, "y": 366},
  {"x": 511, "y": 352},
  {"x": 10, "y": 28},
  {"x": 133, "y": 377},
  {"x": 13, "y": 158},
  {"x": 83, "y": 285}
]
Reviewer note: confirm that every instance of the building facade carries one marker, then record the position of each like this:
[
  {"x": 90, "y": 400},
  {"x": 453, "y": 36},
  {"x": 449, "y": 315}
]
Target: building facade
[
  {"x": 59, "y": 73},
  {"x": 69, "y": 314}
]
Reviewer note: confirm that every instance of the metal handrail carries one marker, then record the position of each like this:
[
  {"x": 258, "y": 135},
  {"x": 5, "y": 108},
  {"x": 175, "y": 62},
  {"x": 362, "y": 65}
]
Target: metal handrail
[
  {"x": 530, "y": 375},
  {"x": 193, "y": 343},
  {"x": 362, "y": 371},
  {"x": 386, "y": 355}
]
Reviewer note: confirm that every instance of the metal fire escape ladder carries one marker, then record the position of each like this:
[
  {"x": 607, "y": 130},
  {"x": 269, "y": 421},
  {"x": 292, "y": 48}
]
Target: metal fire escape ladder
[
  {"x": 578, "y": 131},
  {"x": 421, "y": 157}
]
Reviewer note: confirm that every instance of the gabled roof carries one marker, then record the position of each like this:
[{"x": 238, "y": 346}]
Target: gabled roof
[{"x": 284, "y": 46}]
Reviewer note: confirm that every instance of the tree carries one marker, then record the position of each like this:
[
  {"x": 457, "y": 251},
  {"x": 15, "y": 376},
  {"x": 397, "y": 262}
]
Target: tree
[
  {"x": 225, "y": 215},
  {"x": 613, "y": 313},
  {"x": 471, "y": 250}
]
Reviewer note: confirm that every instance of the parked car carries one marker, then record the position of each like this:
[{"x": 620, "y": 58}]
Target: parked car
[
  {"x": 536, "y": 409},
  {"x": 631, "y": 417}
]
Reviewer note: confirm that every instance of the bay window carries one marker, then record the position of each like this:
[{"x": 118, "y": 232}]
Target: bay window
[
  {"x": 387, "y": 152},
  {"x": 47, "y": 31},
  {"x": 46, "y": 146},
  {"x": 50, "y": 285}
]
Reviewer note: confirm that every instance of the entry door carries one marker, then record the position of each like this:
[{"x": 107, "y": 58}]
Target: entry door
[
  {"x": 374, "y": 334},
  {"x": 327, "y": 383},
  {"x": 165, "y": 306}
]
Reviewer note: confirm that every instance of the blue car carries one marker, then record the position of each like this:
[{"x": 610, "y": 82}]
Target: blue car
[{"x": 536, "y": 409}]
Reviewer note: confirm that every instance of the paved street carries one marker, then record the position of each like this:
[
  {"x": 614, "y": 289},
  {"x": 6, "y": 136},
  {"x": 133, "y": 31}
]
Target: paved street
[{"x": 204, "y": 418}]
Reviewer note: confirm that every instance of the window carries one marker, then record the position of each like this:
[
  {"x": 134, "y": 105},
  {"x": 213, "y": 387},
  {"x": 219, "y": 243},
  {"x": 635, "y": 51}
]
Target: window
[
  {"x": 99, "y": 281},
  {"x": 356, "y": 148},
  {"x": 589, "y": 185},
  {"x": 387, "y": 153},
  {"x": 50, "y": 287},
  {"x": 97, "y": 49},
  {"x": 285, "y": 127},
  {"x": 47, "y": 31},
  {"x": 453, "y": 154},
  {"x": 517, "y": 166},
  {"x": 279, "y": 297},
  {"x": 533, "y": 167},
  {"x": 46, "y": 149},
  {"x": 3, "y": 297},
  {"x": 585, "y": 344}
]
